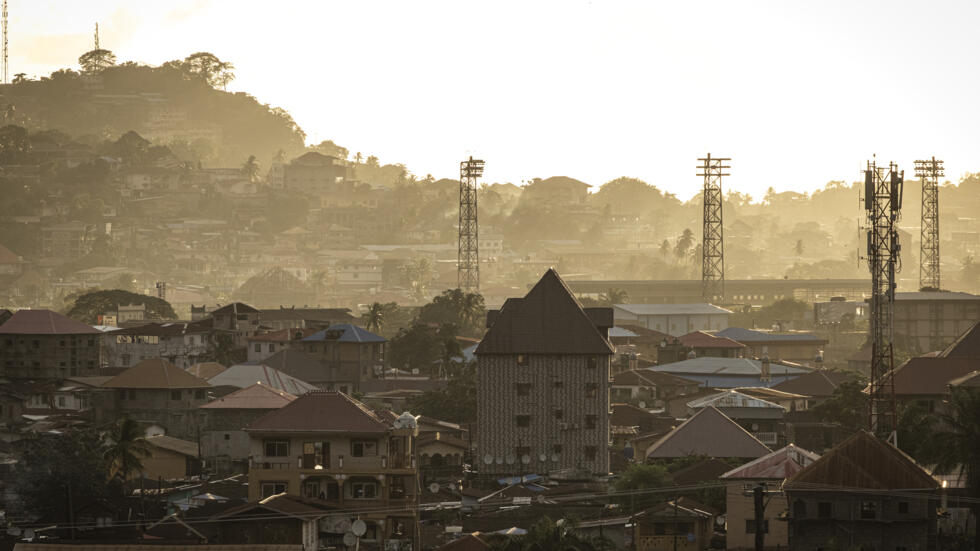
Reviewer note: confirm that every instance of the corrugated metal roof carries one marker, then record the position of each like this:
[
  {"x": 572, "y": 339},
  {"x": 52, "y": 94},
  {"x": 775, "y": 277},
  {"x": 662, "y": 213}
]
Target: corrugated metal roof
[
  {"x": 710, "y": 433},
  {"x": 725, "y": 366},
  {"x": 780, "y": 464},
  {"x": 672, "y": 309},
  {"x": 742, "y": 335},
  {"x": 44, "y": 322},
  {"x": 732, "y": 399},
  {"x": 170, "y": 443},
  {"x": 257, "y": 396},
  {"x": 155, "y": 373},
  {"x": 936, "y": 295},
  {"x": 348, "y": 333},
  {"x": 321, "y": 411},
  {"x": 246, "y": 375}
]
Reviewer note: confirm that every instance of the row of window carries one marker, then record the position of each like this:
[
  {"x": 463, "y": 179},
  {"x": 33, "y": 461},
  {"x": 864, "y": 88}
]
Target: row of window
[
  {"x": 36, "y": 343},
  {"x": 524, "y": 421},
  {"x": 825, "y": 509},
  {"x": 359, "y": 489},
  {"x": 175, "y": 395},
  {"x": 524, "y": 389},
  {"x": 523, "y": 360},
  {"x": 588, "y": 452},
  {"x": 358, "y": 448}
]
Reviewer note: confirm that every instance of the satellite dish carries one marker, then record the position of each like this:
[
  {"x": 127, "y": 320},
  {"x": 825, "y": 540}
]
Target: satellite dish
[
  {"x": 554, "y": 457},
  {"x": 350, "y": 540},
  {"x": 434, "y": 487},
  {"x": 359, "y": 528},
  {"x": 755, "y": 426},
  {"x": 511, "y": 459},
  {"x": 543, "y": 457},
  {"x": 452, "y": 486},
  {"x": 525, "y": 459},
  {"x": 488, "y": 459},
  {"x": 643, "y": 405},
  {"x": 500, "y": 460},
  {"x": 29, "y": 534}
]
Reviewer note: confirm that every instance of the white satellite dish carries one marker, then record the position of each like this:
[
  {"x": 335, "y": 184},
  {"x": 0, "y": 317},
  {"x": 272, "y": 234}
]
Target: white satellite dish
[
  {"x": 359, "y": 528},
  {"x": 543, "y": 457},
  {"x": 511, "y": 459},
  {"x": 452, "y": 486},
  {"x": 554, "y": 457},
  {"x": 350, "y": 540},
  {"x": 643, "y": 405},
  {"x": 500, "y": 460},
  {"x": 434, "y": 487},
  {"x": 525, "y": 459},
  {"x": 488, "y": 459}
]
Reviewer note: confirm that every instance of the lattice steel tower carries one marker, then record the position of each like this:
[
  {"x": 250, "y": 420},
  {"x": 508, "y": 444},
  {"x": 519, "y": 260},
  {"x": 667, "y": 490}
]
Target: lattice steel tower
[
  {"x": 468, "y": 258},
  {"x": 883, "y": 203},
  {"x": 713, "y": 243},
  {"x": 928, "y": 172},
  {"x": 4, "y": 23}
]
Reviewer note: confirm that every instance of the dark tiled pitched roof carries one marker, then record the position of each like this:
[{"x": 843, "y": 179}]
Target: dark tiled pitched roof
[
  {"x": 235, "y": 308},
  {"x": 44, "y": 322},
  {"x": 157, "y": 374},
  {"x": 816, "y": 383},
  {"x": 547, "y": 321},
  {"x": 321, "y": 411},
  {"x": 966, "y": 345},
  {"x": 862, "y": 461},
  {"x": 709, "y": 433}
]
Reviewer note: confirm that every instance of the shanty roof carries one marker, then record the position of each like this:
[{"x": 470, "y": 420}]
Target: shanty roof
[
  {"x": 206, "y": 370},
  {"x": 780, "y": 464},
  {"x": 235, "y": 308},
  {"x": 155, "y": 373},
  {"x": 966, "y": 345},
  {"x": 710, "y": 433},
  {"x": 700, "y": 339},
  {"x": 298, "y": 364},
  {"x": 44, "y": 322},
  {"x": 246, "y": 375},
  {"x": 345, "y": 332},
  {"x": 621, "y": 333},
  {"x": 752, "y": 336},
  {"x": 168, "y": 329},
  {"x": 183, "y": 447},
  {"x": 321, "y": 411},
  {"x": 865, "y": 462},
  {"x": 726, "y": 366},
  {"x": 818, "y": 383},
  {"x": 925, "y": 376},
  {"x": 770, "y": 394},
  {"x": 672, "y": 309},
  {"x": 732, "y": 399},
  {"x": 257, "y": 396},
  {"x": 548, "y": 320}
]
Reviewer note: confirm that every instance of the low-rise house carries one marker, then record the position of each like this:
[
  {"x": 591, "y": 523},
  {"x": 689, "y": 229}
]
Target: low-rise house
[
  {"x": 350, "y": 353},
  {"x": 769, "y": 471},
  {"x": 708, "y": 433},
  {"x": 42, "y": 344},
  {"x": 924, "y": 381},
  {"x": 793, "y": 347},
  {"x": 890, "y": 502},
  {"x": 245, "y": 375},
  {"x": 698, "y": 344},
  {"x": 154, "y": 391},
  {"x": 761, "y": 418},
  {"x": 673, "y": 319},
  {"x": 263, "y": 345},
  {"x": 238, "y": 318},
  {"x": 329, "y": 446},
  {"x": 818, "y": 385},
  {"x": 650, "y": 387},
  {"x": 299, "y": 364},
  {"x": 283, "y": 522},
  {"x": 932, "y": 320},
  {"x": 171, "y": 459},
  {"x": 732, "y": 372},
  {"x": 305, "y": 318},
  {"x": 182, "y": 344},
  {"x": 673, "y": 527}
]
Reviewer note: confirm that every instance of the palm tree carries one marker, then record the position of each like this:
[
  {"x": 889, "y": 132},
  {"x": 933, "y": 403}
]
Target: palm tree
[
  {"x": 375, "y": 317},
  {"x": 959, "y": 432},
  {"x": 614, "y": 296},
  {"x": 684, "y": 244},
  {"x": 126, "y": 449},
  {"x": 419, "y": 273},
  {"x": 546, "y": 534},
  {"x": 251, "y": 168},
  {"x": 472, "y": 309},
  {"x": 665, "y": 249}
]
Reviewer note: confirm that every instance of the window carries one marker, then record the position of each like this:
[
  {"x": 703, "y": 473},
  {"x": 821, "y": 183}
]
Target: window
[
  {"x": 869, "y": 510},
  {"x": 277, "y": 448},
  {"x": 523, "y": 389},
  {"x": 522, "y": 360},
  {"x": 200, "y": 394},
  {"x": 825, "y": 509},
  {"x": 273, "y": 488},
  {"x": 590, "y": 421},
  {"x": 175, "y": 395},
  {"x": 272, "y": 347},
  {"x": 523, "y": 421},
  {"x": 591, "y": 390},
  {"x": 593, "y": 362},
  {"x": 363, "y": 448},
  {"x": 799, "y": 509},
  {"x": 363, "y": 489},
  {"x": 556, "y": 449},
  {"x": 558, "y": 385},
  {"x": 316, "y": 453},
  {"x": 258, "y": 347},
  {"x": 132, "y": 394},
  {"x": 61, "y": 401},
  {"x": 590, "y": 453},
  {"x": 903, "y": 507},
  {"x": 559, "y": 414}
]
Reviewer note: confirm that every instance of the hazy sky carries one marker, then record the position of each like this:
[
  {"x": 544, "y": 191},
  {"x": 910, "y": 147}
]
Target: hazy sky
[{"x": 797, "y": 93}]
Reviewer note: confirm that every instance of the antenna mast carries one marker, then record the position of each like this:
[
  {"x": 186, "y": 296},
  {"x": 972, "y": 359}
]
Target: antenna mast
[
  {"x": 929, "y": 171},
  {"x": 883, "y": 203},
  {"x": 468, "y": 258},
  {"x": 713, "y": 244},
  {"x": 97, "y": 36},
  {"x": 5, "y": 69}
]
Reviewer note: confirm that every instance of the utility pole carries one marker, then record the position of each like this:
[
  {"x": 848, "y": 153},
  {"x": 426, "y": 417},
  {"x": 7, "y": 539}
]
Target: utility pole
[
  {"x": 468, "y": 257},
  {"x": 883, "y": 204},
  {"x": 928, "y": 172},
  {"x": 760, "y": 516},
  {"x": 713, "y": 244}
]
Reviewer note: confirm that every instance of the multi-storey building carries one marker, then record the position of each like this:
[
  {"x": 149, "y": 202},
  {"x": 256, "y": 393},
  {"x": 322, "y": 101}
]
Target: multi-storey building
[
  {"x": 240, "y": 319},
  {"x": 543, "y": 384},
  {"x": 350, "y": 354},
  {"x": 328, "y": 446},
  {"x": 182, "y": 344},
  {"x": 930, "y": 321},
  {"x": 41, "y": 344}
]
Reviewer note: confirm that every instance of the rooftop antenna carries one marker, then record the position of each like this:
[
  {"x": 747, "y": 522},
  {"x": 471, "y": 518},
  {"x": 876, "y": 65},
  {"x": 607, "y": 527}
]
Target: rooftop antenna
[
  {"x": 713, "y": 244},
  {"x": 928, "y": 172},
  {"x": 468, "y": 258}
]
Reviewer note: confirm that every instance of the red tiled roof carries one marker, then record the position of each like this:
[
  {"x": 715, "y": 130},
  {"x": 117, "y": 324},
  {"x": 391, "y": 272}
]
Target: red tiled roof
[
  {"x": 44, "y": 322},
  {"x": 156, "y": 374},
  {"x": 700, "y": 339},
  {"x": 321, "y": 411},
  {"x": 862, "y": 461},
  {"x": 549, "y": 320}
]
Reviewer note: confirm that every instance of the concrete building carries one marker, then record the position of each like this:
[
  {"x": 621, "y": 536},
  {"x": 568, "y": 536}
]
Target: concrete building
[
  {"x": 732, "y": 372},
  {"x": 182, "y": 344},
  {"x": 41, "y": 344},
  {"x": 350, "y": 354},
  {"x": 170, "y": 459},
  {"x": 932, "y": 320},
  {"x": 891, "y": 501},
  {"x": 240, "y": 319},
  {"x": 793, "y": 347},
  {"x": 761, "y": 418},
  {"x": 673, "y": 319},
  {"x": 543, "y": 384},
  {"x": 328, "y": 446}
]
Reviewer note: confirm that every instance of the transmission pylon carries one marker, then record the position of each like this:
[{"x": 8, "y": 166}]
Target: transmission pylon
[
  {"x": 97, "y": 36},
  {"x": 5, "y": 70},
  {"x": 883, "y": 204},
  {"x": 928, "y": 172},
  {"x": 468, "y": 258},
  {"x": 713, "y": 243}
]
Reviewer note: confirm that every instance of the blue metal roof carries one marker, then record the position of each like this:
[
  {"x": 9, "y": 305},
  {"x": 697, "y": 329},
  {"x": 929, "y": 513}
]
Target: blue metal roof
[{"x": 348, "y": 333}]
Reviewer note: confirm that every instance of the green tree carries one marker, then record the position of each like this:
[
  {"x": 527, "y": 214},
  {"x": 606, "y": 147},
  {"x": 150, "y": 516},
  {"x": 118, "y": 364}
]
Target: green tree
[
  {"x": 126, "y": 282},
  {"x": 15, "y": 143},
  {"x": 96, "y": 61},
  {"x": 958, "y": 449},
  {"x": 86, "y": 308},
  {"x": 56, "y": 466},
  {"x": 614, "y": 296},
  {"x": 665, "y": 249},
  {"x": 466, "y": 311},
  {"x": 415, "y": 347},
  {"x": 641, "y": 477},
  {"x": 250, "y": 169},
  {"x": 126, "y": 449},
  {"x": 684, "y": 244},
  {"x": 419, "y": 273},
  {"x": 210, "y": 69},
  {"x": 330, "y": 149},
  {"x": 848, "y": 407},
  {"x": 377, "y": 315},
  {"x": 456, "y": 403},
  {"x": 548, "y": 535}
]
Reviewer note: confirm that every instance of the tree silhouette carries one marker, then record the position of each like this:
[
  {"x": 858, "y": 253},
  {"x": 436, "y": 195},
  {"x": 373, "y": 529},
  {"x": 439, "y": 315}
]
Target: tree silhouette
[
  {"x": 210, "y": 69},
  {"x": 250, "y": 169},
  {"x": 684, "y": 244},
  {"x": 614, "y": 296},
  {"x": 95, "y": 61},
  {"x": 958, "y": 444},
  {"x": 126, "y": 449}
]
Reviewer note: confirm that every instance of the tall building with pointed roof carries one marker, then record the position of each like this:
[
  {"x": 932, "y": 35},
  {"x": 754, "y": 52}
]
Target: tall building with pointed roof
[{"x": 543, "y": 384}]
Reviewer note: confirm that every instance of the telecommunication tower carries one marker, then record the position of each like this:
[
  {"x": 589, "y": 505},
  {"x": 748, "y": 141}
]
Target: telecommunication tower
[
  {"x": 468, "y": 258},
  {"x": 883, "y": 204},
  {"x": 713, "y": 244},
  {"x": 5, "y": 70},
  {"x": 928, "y": 172},
  {"x": 97, "y": 37}
]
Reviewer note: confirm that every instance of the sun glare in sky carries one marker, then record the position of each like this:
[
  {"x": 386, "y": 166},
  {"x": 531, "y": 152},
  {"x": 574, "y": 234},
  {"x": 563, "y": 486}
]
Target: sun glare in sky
[{"x": 798, "y": 94}]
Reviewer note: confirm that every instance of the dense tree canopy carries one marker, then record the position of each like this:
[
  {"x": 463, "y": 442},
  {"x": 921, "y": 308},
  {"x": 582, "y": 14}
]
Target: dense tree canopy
[{"x": 86, "y": 308}]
